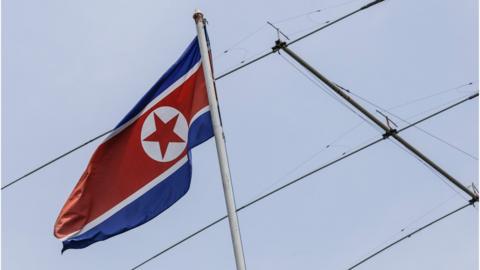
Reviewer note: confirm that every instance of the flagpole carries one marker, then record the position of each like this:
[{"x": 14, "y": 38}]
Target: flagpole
[{"x": 220, "y": 142}]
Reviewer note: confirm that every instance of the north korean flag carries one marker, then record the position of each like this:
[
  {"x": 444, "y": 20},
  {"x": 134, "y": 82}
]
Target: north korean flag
[{"x": 143, "y": 167}]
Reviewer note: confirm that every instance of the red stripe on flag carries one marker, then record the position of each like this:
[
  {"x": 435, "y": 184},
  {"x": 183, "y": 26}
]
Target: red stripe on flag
[{"x": 119, "y": 167}]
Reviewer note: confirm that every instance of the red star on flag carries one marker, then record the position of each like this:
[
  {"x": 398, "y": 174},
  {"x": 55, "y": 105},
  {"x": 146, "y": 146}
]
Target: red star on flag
[{"x": 164, "y": 133}]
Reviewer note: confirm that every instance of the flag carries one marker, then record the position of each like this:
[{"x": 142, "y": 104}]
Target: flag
[{"x": 143, "y": 166}]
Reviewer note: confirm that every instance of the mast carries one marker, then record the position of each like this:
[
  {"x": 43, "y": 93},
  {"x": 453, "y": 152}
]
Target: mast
[
  {"x": 220, "y": 142},
  {"x": 389, "y": 132}
]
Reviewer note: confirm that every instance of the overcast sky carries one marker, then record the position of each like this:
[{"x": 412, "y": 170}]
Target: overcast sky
[{"x": 72, "y": 69}]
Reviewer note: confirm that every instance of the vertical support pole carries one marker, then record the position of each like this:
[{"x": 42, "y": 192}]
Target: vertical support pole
[{"x": 220, "y": 142}]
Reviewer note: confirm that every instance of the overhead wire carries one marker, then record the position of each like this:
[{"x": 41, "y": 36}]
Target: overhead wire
[
  {"x": 279, "y": 21},
  {"x": 57, "y": 158},
  {"x": 216, "y": 78},
  {"x": 471, "y": 96},
  {"x": 328, "y": 146},
  {"x": 294, "y": 17},
  {"x": 409, "y": 235},
  {"x": 446, "y": 143},
  {"x": 329, "y": 93},
  {"x": 408, "y": 226},
  {"x": 244, "y": 65},
  {"x": 429, "y": 117},
  {"x": 366, "y": 120},
  {"x": 475, "y": 95},
  {"x": 246, "y": 37},
  {"x": 297, "y": 179},
  {"x": 432, "y": 109},
  {"x": 259, "y": 199},
  {"x": 408, "y": 152},
  {"x": 324, "y": 166},
  {"x": 417, "y": 127},
  {"x": 434, "y": 172},
  {"x": 309, "y": 28},
  {"x": 429, "y": 96},
  {"x": 388, "y": 111},
  {"x": 379, "y": 107},
  {"x": 262, "y": 55},
  {"x": 373, "y": 3}
]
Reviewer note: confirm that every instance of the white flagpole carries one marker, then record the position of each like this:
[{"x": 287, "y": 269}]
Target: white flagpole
[{"x": 220, "y": 141}]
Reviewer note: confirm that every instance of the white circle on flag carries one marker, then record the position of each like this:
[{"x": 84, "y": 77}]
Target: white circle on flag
[{"x": 164, "y": 134}]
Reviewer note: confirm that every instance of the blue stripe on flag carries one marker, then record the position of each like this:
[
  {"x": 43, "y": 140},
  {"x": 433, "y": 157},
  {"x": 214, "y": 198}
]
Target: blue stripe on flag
[
  {"x": 200, "y": 130},
  {"x": 146, "y": 207},
  {"x": 154, "y": 201}
]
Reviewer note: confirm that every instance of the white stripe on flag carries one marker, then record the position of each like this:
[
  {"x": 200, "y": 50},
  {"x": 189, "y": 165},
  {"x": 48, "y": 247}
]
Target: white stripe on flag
[{"x": 165, "y": 93}]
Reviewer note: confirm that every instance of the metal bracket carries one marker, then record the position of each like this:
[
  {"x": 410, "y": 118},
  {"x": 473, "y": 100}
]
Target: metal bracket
[
  {"x": 475, "y": 190},
  {"x": 389, "y": 133},
  {"x": 387, "y": 119},
  {"x": 279, "y": 32},
  {"x": 279, "y": 45}
]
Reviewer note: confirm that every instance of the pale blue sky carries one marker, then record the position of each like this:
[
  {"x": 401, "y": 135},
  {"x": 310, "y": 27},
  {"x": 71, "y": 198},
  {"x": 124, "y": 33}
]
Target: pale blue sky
[{"x": 73, "y": 69}]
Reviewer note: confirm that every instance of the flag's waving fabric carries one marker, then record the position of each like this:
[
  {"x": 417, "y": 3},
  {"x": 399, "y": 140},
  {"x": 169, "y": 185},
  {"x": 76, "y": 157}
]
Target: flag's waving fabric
[{"x": 143, "y": 167}]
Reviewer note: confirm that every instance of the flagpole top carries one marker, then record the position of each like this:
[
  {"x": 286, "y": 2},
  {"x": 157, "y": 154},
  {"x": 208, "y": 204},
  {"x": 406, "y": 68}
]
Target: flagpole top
[{"x": 198, "y": 15}]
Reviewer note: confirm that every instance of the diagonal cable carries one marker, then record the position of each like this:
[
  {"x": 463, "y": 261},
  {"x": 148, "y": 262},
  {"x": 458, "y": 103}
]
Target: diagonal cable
[
  {"x": 57, "y": 158},
  {"x": 410, "y": 235},
  {"x": 217, "y": 78},
  {"x": 295, "y": 181},
  {"x": 417, "y": 127},
  {"x": 373, "y": 3}
]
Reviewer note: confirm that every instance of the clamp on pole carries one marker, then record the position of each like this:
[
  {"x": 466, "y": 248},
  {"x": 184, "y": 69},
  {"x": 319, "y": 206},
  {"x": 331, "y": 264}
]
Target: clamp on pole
[
  {"x": 279, "y": 45},
  {"x": 475, "y": 191},
  {"x": 389, "y": 133}
]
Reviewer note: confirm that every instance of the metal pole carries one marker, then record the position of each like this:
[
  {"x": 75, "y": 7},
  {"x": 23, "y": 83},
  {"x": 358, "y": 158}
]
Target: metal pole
[
  {"x": 388, "y": 131},
  {"x": 220, "y": 142}
]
